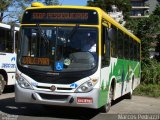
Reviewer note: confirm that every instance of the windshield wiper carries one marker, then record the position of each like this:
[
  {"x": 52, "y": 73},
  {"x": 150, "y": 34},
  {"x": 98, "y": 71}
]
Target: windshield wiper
[
  {"x": 42, "y": 33},
  {"x": 73, "y": 31}
]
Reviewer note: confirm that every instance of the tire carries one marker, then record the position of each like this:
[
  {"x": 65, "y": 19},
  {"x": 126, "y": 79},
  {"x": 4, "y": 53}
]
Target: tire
[
  {"x": 2, "y": 84},
  {"x": 106, "y": 108}
]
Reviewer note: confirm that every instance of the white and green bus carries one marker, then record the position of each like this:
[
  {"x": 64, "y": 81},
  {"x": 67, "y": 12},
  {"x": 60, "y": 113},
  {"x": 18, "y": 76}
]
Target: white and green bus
[{"x": 75, "y": 56}]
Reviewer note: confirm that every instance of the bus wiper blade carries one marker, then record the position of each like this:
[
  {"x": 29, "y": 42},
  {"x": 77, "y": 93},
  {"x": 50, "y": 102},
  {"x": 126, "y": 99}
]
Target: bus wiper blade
[
  {"x": 73, "y": 31},
  {"x": 42, "y": 33}
]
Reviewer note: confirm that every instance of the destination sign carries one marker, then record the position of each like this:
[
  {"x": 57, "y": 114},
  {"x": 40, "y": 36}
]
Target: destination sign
[
  {"x": 35, "y": 61},
  {"x": 60, "y": 16}
]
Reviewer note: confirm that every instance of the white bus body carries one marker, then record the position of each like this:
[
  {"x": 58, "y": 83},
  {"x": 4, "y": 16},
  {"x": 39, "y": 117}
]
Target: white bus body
[{"x": 7, "y": 55}]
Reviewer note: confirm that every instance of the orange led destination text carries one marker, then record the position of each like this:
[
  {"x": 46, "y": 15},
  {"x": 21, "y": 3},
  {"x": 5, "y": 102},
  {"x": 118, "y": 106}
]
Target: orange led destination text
[{"x": 35, "y": 61}]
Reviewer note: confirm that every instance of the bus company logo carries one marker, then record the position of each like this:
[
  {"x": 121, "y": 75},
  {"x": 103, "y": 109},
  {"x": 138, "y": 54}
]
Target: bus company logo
[
  {"x": 53, "y": 88},
  {"x": 7, "y": 65},
  {"x": 13, "y": 59}
]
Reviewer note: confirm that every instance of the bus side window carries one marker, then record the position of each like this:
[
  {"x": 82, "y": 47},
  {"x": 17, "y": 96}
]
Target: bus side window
[
  {"x": 129, "y": 47},
  {"x": 135, "y": 50},
  {"x": 120, "y": 44},
  {"x": 126, "y": 46},
  {"x": 6, "y": 44},
  {"x": 138, "y": 52},
  {"x": 105, "y": 47},
  {"x": 113, "y": 39},
  {"x": 131, "y": 50}
]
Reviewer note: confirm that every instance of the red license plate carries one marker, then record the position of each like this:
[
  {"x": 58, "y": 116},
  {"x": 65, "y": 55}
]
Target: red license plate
[{"x": 84, "y": 100}]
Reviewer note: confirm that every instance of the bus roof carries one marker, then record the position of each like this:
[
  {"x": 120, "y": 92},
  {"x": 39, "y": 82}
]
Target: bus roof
[
  {"x": 2, "y": 25},
  {"x": 5, "y": 25}
]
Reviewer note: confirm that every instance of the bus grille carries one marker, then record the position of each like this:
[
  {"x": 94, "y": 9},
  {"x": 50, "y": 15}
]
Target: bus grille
[
  {"x": 58, "y": 88},
  {"x": 53, "y": 97}
]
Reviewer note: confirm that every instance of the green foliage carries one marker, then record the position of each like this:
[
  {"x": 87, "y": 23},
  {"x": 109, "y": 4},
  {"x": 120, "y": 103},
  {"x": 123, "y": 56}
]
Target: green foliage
[
  {"x": 4, "y": 4},
  {"x": 157, "y": 49},
  {"x": 150, "y": 72},
  {"x": 18, "y": 7},
  {"x": 131, "y": 24},
  {"x": 21, "y": 5},
  {"x": 151, "y": 90},
  {"x": 97, "y": 3},
  {"x": 157, "y": 10},
  {"x": 147, "y": 29},
  {"x": 122, "y": 5}
]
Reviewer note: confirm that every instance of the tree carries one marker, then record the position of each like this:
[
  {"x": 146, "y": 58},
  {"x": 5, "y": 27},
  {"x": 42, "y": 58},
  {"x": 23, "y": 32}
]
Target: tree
[
  {"x": 157, "y": 10},
  {"x": 148, "y": 30},
  {"x": 97, "y": 3},
  {"x": 19, "y": 7},
  {"x": 122, "y": 5},
  {"x": 157, "y": 49},
  {"x": 12, "y": 9},
  {"x": 4, "y": 4},
  {"x": 51, "y": 2}
]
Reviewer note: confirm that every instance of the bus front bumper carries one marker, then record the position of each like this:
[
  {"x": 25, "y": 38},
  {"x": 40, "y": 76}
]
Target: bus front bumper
[{"x": 87, "y": 100}]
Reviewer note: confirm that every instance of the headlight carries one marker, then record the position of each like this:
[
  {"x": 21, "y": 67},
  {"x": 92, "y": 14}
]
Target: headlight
[
  {"x": 87, "y": 86},
  {"x": 23, "y": 83}
]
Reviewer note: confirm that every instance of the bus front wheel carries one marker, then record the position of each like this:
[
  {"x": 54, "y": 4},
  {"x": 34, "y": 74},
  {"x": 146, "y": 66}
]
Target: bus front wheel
[
  {"x": 107, "y": 107},
  {"x": 2, "y": 84}
]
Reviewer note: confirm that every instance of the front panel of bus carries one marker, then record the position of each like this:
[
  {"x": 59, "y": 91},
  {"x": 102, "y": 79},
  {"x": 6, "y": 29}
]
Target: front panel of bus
[{"x": 58, "y": 57}]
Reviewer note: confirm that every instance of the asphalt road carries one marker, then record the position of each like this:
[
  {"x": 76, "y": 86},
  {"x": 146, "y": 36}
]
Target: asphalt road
[{"x": 142, "y": 108}]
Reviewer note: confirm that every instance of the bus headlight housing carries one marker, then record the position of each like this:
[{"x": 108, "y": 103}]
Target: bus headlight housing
[
  {"x": 23, "y": 83},
  {"x": 87, "y": 86}
]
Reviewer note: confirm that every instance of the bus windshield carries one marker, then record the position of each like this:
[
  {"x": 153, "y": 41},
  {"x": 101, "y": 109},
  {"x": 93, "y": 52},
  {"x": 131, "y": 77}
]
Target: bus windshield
[{"x": 62, "y": 49}]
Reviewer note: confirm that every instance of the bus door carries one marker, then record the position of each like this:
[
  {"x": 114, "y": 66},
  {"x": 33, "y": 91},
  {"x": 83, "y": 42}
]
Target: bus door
[{"x": 105, "y": 62}]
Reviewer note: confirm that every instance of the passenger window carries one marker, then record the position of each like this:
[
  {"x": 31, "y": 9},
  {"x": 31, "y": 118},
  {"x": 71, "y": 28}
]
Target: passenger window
[
  {"x": 126, "y": 46},
  {"x": 113, "y": 39},
  {"x": 120, "y": 44}
]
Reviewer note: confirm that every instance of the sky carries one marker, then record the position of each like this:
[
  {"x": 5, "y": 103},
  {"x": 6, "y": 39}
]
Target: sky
[
  {"x": 62, "y": 2},
  {"x": 73, "y": 2}
]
